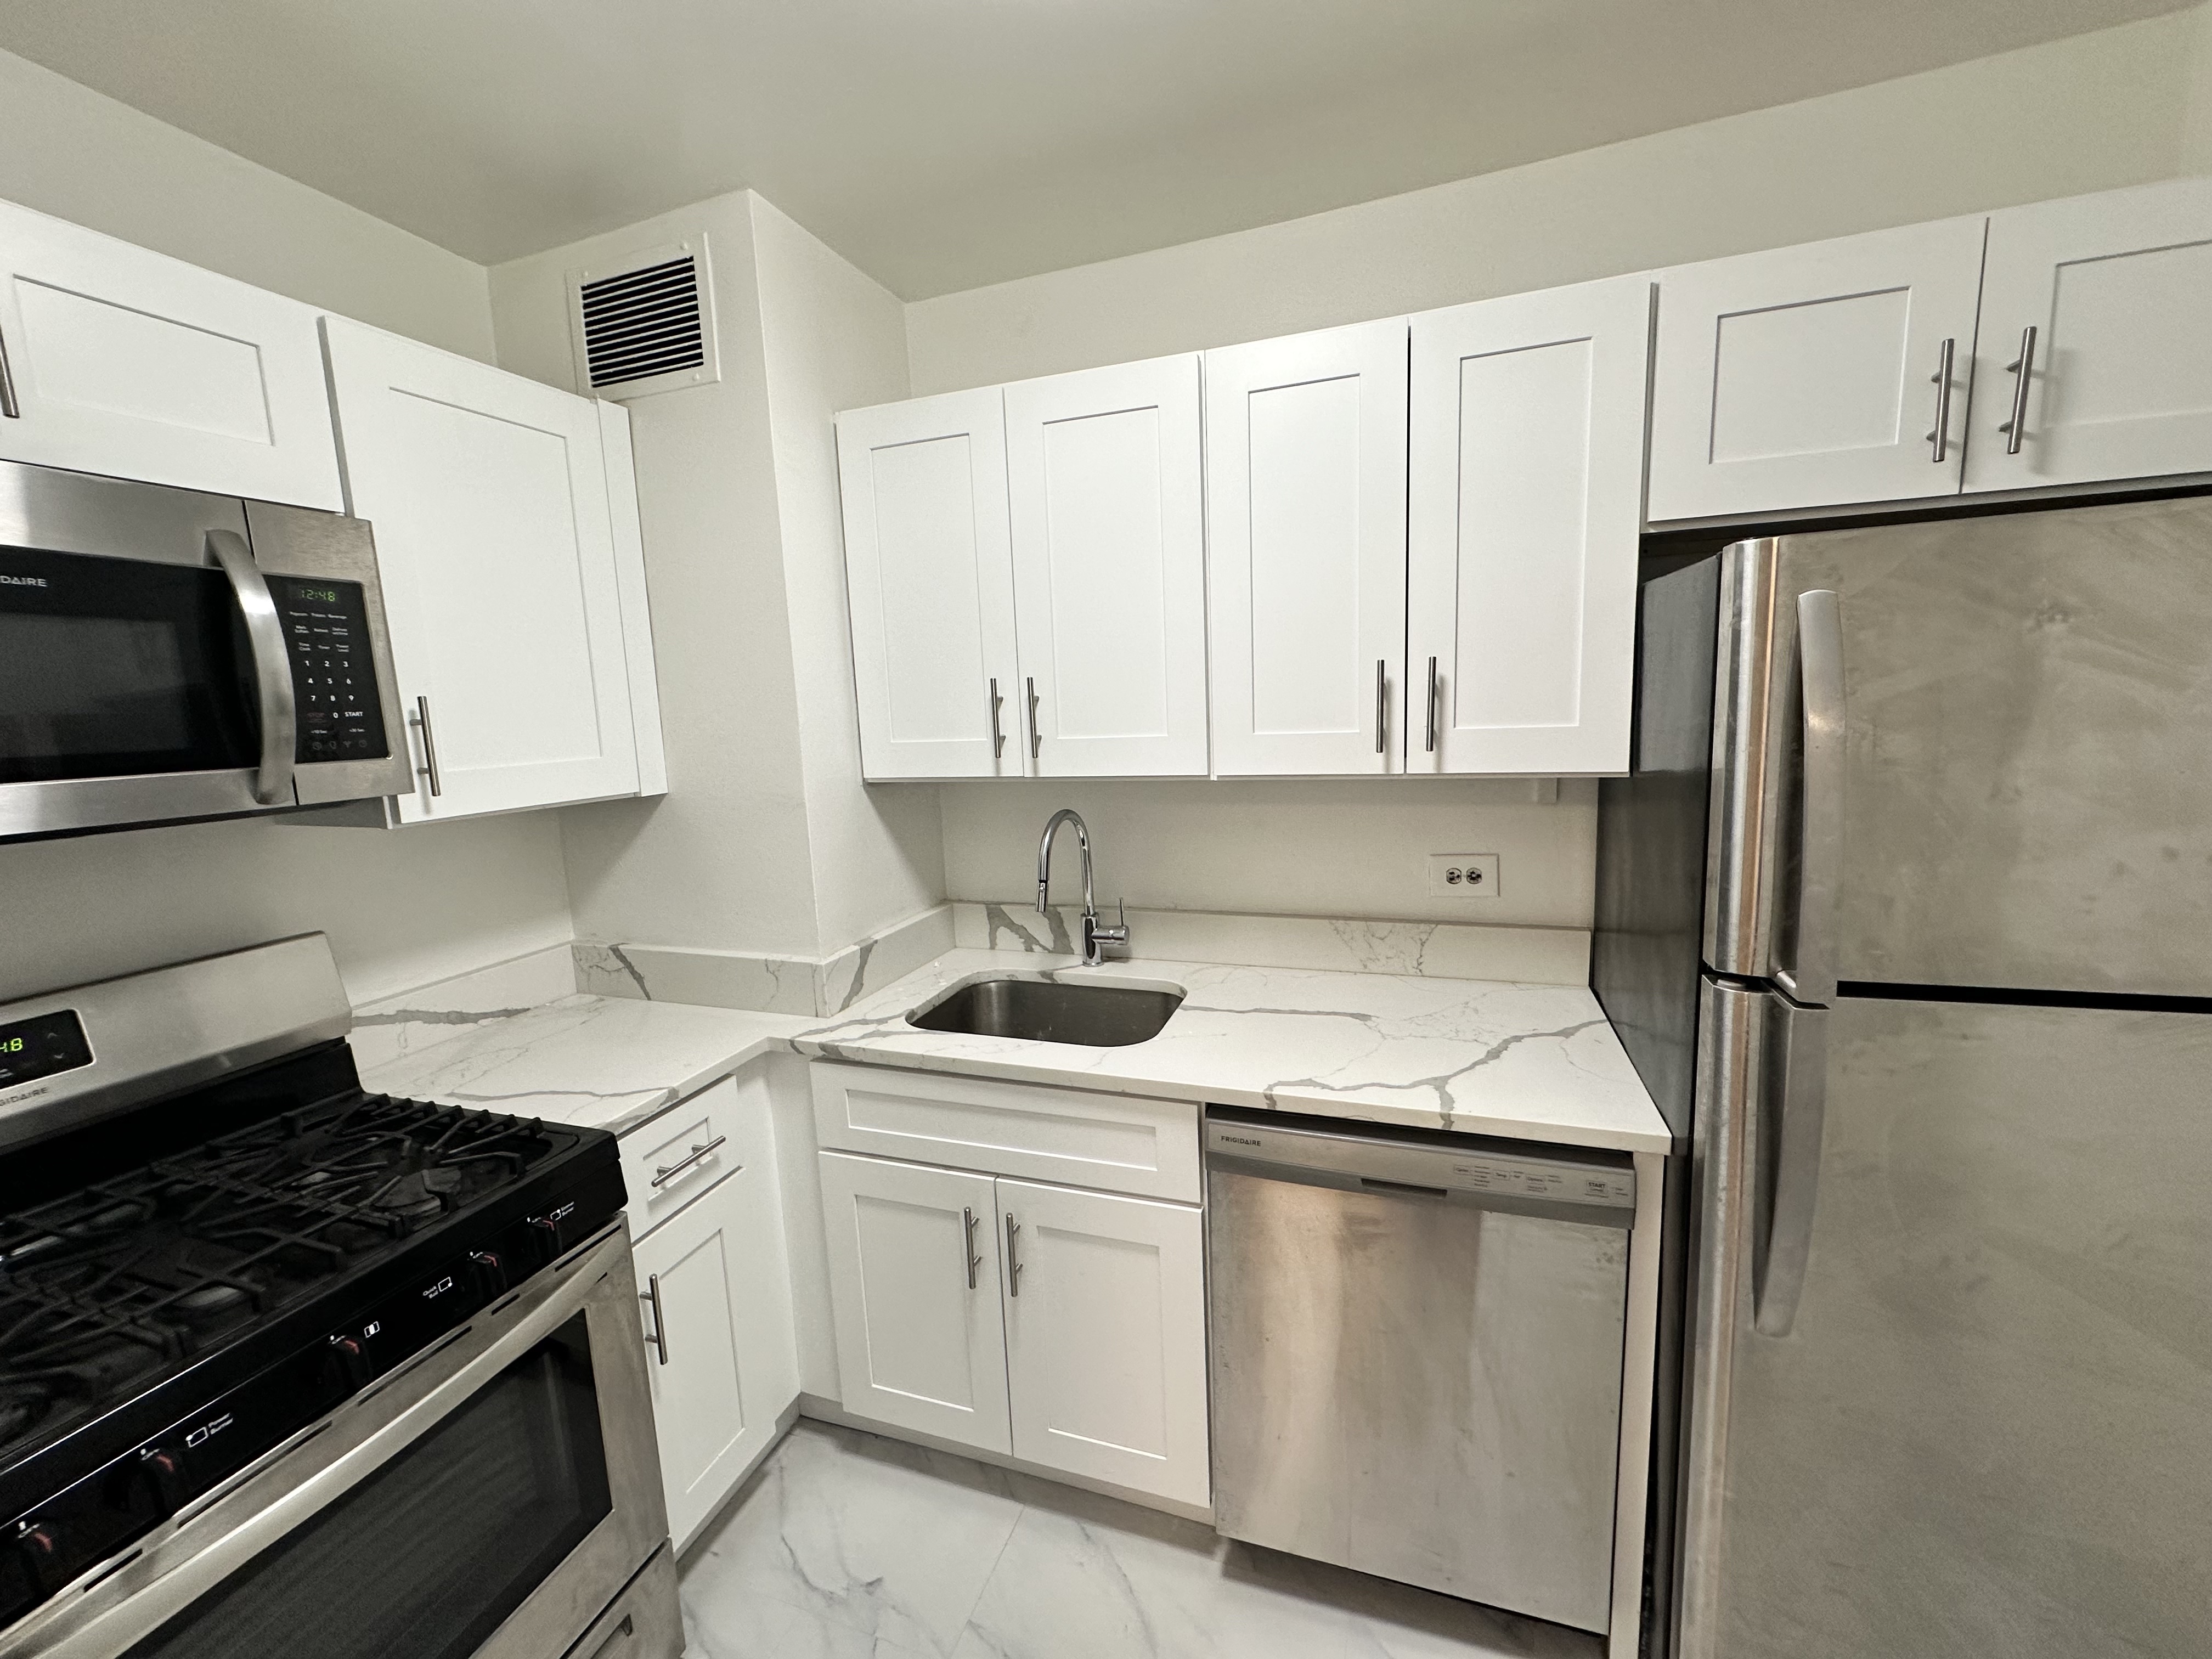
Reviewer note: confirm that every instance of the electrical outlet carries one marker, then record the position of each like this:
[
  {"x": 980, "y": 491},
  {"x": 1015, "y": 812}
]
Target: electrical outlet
[{"x": 1463, "y": 875}]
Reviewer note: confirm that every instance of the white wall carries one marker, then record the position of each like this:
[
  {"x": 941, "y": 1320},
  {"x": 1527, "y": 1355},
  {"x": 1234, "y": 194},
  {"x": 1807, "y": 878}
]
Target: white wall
[
  {"x": 765, "y": 843},
  {"x": 2115, "y": 108},
  {"x": 833, "y": 338},
  {"x": 67, "y": 150},
  {"x": 401, "y": 908}
]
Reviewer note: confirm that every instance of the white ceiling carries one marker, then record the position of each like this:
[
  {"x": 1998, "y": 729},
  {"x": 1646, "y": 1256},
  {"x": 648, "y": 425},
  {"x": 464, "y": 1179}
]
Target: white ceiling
[{"x": 941, "y": 144}]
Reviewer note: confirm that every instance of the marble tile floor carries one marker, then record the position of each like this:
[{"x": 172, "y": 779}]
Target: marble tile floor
[{"x": 849, "y": 1546}]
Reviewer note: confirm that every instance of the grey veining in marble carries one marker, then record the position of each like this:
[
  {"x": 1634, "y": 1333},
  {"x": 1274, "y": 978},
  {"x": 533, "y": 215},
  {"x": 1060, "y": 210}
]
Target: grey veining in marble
[
  {"x": 432, "y": 1014},
  {"x": 603, "y": 1062},
  {"x": 849, "y": 1545},
  {"x": 768, "y": 984},
  {"x": 1444, "y": 950},
  {"x": 1476, "y": 1056}
]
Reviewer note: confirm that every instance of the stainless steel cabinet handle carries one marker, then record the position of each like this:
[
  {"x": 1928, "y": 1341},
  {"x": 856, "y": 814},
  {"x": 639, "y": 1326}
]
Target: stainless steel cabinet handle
[
  {"x": 9, "y": 407},
  {"x": 1013, "y": 1261},
  {"x": 1381, "y": 703},
  {"x": 657, "y": 1338},
  {"x": 1812, "y": 976},
  {"x": 2024, "y": 366},
  {"x": 668, "y": 1172},
  {"x": 968, "y": 1244},
  {"x": 1939, "y": 441},
  {"x": 1036, "y": 736},
  {"x": 1778, "y": 1278},
  {"x": 998, "y": 737},
  {"x": 1433, "y": 706},
  {"x": 420, "y": 720},
  {"x": 272, "y": 665}
]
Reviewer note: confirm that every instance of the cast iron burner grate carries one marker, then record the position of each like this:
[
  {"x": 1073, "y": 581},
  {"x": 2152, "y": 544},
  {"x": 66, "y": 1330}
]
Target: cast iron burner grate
[{"x": 129, "y": 1278}]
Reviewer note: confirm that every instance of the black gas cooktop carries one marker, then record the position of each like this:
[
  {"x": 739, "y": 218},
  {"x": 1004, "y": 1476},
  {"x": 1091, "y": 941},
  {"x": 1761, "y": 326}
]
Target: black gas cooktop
[{"x": 184, "y": 1288}]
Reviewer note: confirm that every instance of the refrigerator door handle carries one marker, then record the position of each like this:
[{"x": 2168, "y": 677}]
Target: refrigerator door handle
[
  {"x": 1811, "y": 978},
  {"x": 1779, "y": 1280}
]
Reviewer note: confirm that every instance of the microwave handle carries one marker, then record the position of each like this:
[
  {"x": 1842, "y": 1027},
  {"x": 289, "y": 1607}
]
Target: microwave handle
[{"x": 272, "y": 665}]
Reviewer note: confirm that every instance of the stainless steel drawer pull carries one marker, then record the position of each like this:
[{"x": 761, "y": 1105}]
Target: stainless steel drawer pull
[
  {"x": 998, "y": 736},
  {"x": 1381, "y": 702},
  {"x": 668, "y": 1172},
  {"x": 1432, "y": 705},
  {"x": 1036, "y": 737},
  {"x": 2024, "y": 366},
  {"x": 968, "y": 1244},
  {"x": 1013, "y": 1261},
  {"x": 420, "y": 720},
  {"x": 9, "y": 407},
  {"x": 657, "y": 1338},
  {"x": 1939, "y": 441}
]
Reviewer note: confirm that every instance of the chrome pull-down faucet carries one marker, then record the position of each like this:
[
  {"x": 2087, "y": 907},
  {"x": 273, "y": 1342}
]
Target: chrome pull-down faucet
[{"x": 1095, "y": 937}]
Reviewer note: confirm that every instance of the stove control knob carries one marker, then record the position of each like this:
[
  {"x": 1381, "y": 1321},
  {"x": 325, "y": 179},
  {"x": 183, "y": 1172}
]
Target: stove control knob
[
  {"x": 487, "y": 1274},
  {"x": 545, "y": 1238},
  {"x": 38, "y": 1546},
  {"x": 350, "y": 1362},
  {"x": 161, "y": 1474}
]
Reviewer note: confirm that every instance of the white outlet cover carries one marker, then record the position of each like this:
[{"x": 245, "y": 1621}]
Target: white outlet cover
[{"x": 1463, "y": 875}]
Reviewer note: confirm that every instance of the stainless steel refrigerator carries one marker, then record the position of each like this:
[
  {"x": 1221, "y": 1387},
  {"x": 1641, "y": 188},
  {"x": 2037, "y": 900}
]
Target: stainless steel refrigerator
[{"x": 1906, "y": 914}]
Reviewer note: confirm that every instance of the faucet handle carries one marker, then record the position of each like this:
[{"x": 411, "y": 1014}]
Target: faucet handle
[{"x": 1118, "y": 934}]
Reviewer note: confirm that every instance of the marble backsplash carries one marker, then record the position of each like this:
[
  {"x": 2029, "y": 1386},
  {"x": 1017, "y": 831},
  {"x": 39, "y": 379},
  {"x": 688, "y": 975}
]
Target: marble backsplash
[
  {"x": 774, "y": 984},
  {"x": 1434, "y": 950}
]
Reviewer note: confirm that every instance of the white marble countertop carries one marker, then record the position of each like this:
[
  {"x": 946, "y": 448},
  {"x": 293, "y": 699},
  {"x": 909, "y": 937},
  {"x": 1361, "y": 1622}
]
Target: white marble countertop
[
  {"x": 602, "y": 1063},
  {"x": 1479, "y": 1056}
]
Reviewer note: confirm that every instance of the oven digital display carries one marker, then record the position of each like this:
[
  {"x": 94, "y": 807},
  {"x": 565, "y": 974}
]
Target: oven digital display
[{"x": 40, "y": 1046}]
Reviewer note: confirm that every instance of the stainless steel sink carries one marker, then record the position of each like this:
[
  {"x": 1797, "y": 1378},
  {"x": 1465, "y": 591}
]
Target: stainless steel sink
[{"x": 1048, "y": 1010}]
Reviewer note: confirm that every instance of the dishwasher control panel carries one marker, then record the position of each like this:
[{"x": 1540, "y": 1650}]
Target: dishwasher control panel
[{"x": 1432, "y": 1165}]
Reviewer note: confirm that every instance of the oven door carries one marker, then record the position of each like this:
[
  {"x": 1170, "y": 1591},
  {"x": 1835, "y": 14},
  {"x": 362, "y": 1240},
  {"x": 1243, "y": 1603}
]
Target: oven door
[
  {"x": 166, "y": 655},
  {"x": 496, "y": 1499}
]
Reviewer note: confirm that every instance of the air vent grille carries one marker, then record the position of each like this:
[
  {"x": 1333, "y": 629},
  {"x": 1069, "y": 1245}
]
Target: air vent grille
[
  {"x": 643, "y": 323},
  {"x": 646, "y": 327}
]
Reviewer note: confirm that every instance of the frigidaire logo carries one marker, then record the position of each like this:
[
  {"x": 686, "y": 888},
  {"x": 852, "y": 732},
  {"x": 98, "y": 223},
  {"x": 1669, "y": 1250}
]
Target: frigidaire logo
[{"x": 23, "y": 581}]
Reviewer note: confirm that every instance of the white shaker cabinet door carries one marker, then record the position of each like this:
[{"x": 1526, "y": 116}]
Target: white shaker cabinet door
[
  {"x": 1305, "y": 505},
  {"x": 1105, "y": 475},
  {"x": 930, "y": 583},
  {"x": 119, "y": 360},
  {"x": 488, "y": 494},
  {"x": 914, "y": 1294},
  {"x": 2104, "y": 303},
  {"x": 720, "y": 1354},
  {"x": 1525, "y": 508},
  {"x": 1815, "y": 376},
  {"x": 1106, "y": 1336}
]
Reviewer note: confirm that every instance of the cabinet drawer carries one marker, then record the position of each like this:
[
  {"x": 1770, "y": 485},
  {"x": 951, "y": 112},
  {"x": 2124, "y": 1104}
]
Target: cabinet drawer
[
  {"x": 687, "y": 1148},
  {"x": 1114, "y": 1142}
]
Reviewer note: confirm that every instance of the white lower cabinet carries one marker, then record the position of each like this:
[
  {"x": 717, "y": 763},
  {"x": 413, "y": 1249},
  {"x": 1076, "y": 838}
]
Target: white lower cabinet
[
  {"x": 1106, "y": 1336},
  {"x": 715, "y": 1295},
  {"x": 1063, "y": 1327},
  {"x": 914, "y": 1291}
]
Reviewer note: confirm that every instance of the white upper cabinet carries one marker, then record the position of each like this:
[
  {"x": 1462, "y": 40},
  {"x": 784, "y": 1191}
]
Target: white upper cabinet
[
  {"x": 117, "y": 361},
  {"x": 914, "y": 1291},
  {"x": 1106, "y": 482},
  {"x": 1106, "y": 1336},
  {"x": 1525, "y": 510},
  {"x": 501, "y": 572},
  {"x": 2109, "y": 301},
  {"x": 1305, "y": 504},
  {"x": 1815, "y": 376},
  {"x": 930, "y": 581}
]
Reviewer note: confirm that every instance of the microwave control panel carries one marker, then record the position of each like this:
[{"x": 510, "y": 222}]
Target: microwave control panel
[{"x": 333, "y": 672}]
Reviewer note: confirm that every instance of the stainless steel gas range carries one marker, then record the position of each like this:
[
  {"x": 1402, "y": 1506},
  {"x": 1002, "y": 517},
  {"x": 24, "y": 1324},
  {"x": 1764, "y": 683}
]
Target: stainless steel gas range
[{"x": 285, "y": 1367}]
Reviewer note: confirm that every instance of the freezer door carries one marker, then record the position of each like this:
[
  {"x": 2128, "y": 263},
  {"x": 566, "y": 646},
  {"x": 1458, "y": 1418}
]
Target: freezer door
[
  {"x": 1985, "y": 1431},
  {"x": 2022, "y": 793}
]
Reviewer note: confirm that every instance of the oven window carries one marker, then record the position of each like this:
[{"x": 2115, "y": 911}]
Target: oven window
[
  {"x": 425, "y": 1559},
  {"x": 113, "y": 667}
]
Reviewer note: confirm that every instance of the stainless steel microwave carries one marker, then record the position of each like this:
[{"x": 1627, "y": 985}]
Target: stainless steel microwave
[{"x": 166, "y": 654}]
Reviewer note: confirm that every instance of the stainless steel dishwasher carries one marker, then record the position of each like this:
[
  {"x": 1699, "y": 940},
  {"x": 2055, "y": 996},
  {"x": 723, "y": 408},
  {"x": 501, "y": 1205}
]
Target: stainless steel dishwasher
[{"x": 1417, "y": 1355}]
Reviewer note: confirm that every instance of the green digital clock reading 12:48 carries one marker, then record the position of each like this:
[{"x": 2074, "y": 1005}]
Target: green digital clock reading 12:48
[
  {"x": 14, "y": 1045},
  {"x": 324, "y": 595}
]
